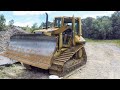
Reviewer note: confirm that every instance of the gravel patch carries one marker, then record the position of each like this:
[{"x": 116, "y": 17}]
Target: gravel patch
[
  {"x": 5, "y": 36},
  {"x": 103, "y": 62},
  {"x": 4, "y": 42}
]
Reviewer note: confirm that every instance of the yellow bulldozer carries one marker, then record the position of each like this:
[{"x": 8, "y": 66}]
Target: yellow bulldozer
[{"x": 59, "y": 49}]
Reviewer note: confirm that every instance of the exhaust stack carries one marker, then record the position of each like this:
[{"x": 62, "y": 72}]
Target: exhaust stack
[{"x": 46, "y": 20}]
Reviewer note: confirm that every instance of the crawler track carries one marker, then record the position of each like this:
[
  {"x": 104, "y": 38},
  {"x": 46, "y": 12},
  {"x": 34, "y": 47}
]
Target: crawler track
[{"x": 66, "y": 62}]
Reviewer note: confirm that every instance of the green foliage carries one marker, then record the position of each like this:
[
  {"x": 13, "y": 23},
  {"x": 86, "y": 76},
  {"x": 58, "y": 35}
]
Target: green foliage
[
  {"x": 34, "y": 27},
  {"x": 102, "y": 27},
  {"x": 115, "y": 18},
  {"x": 11, "y": 22},
  {"x": 27, "y": 29},
  {"x": 2, "y": 22},
  {"x": 87, "y": 25},
  {"x": 43, "y": 25}
]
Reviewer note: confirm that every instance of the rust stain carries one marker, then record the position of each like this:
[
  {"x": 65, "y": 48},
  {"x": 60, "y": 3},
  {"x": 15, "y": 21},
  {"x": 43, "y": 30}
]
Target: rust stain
[{"x": 40, "y": 61}]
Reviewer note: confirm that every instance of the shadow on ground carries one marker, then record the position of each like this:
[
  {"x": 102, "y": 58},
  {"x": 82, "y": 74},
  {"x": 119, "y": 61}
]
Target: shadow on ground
[{"x": 17, "y": 71}]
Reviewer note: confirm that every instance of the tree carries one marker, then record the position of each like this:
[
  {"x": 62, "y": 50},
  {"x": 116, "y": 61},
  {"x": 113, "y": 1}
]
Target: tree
[
  {"x": 2, "y": 22},
  {"x": 116, "y": 24},
  {"x": 34, "y": 27},
  {"x": 87, "y": 25},
  {"x": 104, "y": 27},
  {"x": 43, "y": 25},
  {"x": 107, "y": 28},
  {"x": 11, "y": 22}
]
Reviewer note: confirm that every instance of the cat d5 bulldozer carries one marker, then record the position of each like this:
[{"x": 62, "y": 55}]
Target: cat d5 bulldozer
[{"x": 59, "y": 49}]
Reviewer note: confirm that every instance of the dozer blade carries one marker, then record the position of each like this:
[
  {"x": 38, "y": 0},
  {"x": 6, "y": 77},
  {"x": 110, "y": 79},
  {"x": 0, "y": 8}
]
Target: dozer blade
[{"x": 32, "y": 49}]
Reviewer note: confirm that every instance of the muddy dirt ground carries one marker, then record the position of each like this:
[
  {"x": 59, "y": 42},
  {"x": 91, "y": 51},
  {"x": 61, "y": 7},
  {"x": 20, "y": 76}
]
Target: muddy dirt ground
[{"x": 103, "y": 63}]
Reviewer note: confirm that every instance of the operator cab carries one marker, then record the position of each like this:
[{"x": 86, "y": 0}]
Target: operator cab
[{"x": 67, "y": 34}]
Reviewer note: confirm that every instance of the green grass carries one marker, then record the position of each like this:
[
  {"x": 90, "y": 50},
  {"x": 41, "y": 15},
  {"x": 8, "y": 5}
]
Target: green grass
[{"x": 117, "y": 42}]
